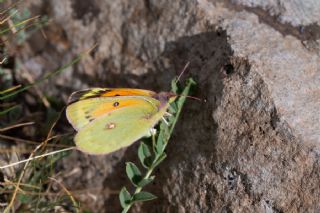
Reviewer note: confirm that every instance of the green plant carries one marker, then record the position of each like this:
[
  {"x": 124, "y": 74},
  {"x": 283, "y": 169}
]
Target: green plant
[{"x": 152, "y": 154}]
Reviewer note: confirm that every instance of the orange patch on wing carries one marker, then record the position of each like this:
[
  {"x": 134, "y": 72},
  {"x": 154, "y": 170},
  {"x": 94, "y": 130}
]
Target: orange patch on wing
[
  {"x": 127, "y": 92},
  {"x": 109, "y": 107}
]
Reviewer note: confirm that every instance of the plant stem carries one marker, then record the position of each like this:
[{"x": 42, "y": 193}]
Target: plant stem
[
  {"x": 171, "y": 126},
  {"x": 146, "y": 176},
  {"x": 183, "y": 99}
]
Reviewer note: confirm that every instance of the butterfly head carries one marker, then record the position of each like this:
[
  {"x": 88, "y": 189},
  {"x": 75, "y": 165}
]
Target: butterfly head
[{"x": 165, "y": 97}]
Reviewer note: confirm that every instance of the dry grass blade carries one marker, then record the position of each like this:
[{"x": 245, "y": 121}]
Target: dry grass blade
[
  {"x": 16, "y": 126},
  {"x": 20, "y": 151},
  {"x": 75, "y": 192},
  {"x": 31, "y": 157},
  {"x": 10, "y": 89},
  {"x": 34, "y": 142},
  {"x": 8, "y": 110},
  {"x": 3, "y": 60},
  {"x": 68, "y": 193},
  {"x": 8, "y": 183},
  {"x": 10, "y": 7},
  {"x": 38, "y": 156},
  {"x": 12, "y": 26},
  {"x": 8, "y": 17},
  {"x": 182, "y": 72}
]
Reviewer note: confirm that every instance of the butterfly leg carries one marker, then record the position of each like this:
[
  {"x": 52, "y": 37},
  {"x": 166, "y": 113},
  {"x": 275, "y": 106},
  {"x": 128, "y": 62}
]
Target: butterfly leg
[
  {"x": 165, "y": 121},
  {"x": 153, "y": 131},
  {"x": 168, "y": 114}
]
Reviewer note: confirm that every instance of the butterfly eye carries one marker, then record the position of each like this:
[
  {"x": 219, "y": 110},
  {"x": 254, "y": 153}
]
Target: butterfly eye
[{"x": 115, "y": 104}]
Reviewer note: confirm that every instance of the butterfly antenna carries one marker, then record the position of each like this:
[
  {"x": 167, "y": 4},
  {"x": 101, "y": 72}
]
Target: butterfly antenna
[
  {"x": 184, "y": 69},
  {"x": 192, "y": 97}
]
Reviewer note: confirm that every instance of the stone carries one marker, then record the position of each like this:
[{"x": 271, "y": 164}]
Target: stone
[{"x": 252, "y": 147}]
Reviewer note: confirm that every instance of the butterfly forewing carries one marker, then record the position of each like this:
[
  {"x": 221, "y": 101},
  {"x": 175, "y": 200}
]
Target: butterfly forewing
[
  {"x": 108, "y": 92},
  {"x": 85, "y": 111}
]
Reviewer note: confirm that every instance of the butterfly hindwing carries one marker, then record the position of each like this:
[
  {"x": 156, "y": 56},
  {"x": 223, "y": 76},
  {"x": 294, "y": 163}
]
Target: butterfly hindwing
[{"x": 117, "y": 129}]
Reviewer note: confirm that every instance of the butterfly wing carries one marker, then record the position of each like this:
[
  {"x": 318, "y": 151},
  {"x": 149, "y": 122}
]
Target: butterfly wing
[
  {"x": 82, "y": 112},
  {"x": 117, "y": 129},
  {"x": 107, "y": 92}
]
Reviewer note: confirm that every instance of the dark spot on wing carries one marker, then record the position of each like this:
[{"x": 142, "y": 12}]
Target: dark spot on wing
[
  {"x": 147, "y": 116},
  {"x": 86, "y": 94},
  {"x": 115, "y": 104},
  {"x": 97, "y": 94}
]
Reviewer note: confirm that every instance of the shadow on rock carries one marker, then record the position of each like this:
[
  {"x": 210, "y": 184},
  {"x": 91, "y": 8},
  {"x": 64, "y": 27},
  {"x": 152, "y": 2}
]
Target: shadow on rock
[{"x": 195, "y": 135}]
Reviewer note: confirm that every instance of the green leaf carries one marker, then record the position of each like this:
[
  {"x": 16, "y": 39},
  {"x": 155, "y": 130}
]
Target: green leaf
[
  {"x": 24, "y": 198},
  {"x": 133, "y": 173},
  {"x": 162, "y": 138},
  {"x": 160, "y": 143},
  {"x": 174, "y": 86},
  {"x": 145, "y": 155},
  {"x": 145, "y": 181},
  {"x": 143, "y": 196},
  {"x": 191, "y": 82},
  {"x": 160, "y": 159},
  {"x": 124, "y": 197},
  {"x": 173, "y": 108}
]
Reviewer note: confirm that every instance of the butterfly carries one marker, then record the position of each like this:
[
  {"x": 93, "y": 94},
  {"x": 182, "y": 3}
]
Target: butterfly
[{"x": 107, "y": 119}]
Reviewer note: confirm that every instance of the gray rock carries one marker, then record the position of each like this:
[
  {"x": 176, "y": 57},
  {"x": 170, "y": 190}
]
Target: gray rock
[{"x": 253, "y": 146}]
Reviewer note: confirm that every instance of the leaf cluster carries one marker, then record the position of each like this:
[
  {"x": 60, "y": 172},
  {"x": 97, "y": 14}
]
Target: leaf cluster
[{"x": 152, "y": 154}]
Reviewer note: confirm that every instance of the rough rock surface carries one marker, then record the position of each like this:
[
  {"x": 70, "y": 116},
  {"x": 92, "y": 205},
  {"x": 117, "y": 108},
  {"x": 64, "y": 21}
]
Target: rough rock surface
[{"x": 252, "y": 147}]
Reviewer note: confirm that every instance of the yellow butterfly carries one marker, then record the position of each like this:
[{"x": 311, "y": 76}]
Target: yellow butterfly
[{"x": 110, "y": 119}]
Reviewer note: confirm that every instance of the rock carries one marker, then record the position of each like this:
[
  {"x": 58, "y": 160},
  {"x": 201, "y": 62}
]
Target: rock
[{"x": 253, "y": 146}]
